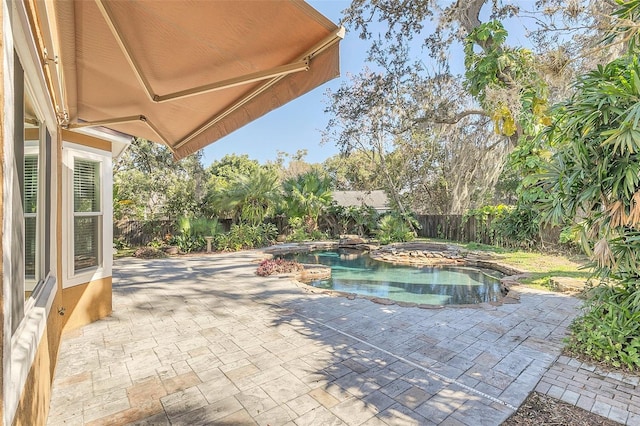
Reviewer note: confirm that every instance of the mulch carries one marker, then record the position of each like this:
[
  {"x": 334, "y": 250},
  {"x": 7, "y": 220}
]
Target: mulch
[{"x": 538, "y": 410}]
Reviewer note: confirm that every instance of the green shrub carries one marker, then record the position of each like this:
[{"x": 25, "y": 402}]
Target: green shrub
[
  {"x": 205, "y": 227},
  {"x": 245, "y": 236},
  {"x": 156, "y": 243},
  {"x": 192, "y": 232},
  {"x": 202, "y": 227},
  {"x": 517, "y": 227},
  {"x": 297, "y": 230},
  {"x": 360, "y": 220},
  {"x": 318, "y": 235},
  {"x": 395, "y": 228},
  {"x": 119, "y": 244},
  {"x": 187, "y": 243},
  {"x": 511, "y": 227},
  {"x": 609, "y": 328}
]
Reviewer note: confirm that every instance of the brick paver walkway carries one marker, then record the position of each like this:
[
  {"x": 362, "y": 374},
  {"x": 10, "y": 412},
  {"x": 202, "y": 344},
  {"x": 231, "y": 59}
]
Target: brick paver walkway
[
  {"x": 609, "y": 394},
  {"x": 205, "y": 341}
]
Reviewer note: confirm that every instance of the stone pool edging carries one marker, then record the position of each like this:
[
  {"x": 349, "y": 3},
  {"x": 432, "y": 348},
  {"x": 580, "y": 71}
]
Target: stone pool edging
[{"x": 412, "y": 254}]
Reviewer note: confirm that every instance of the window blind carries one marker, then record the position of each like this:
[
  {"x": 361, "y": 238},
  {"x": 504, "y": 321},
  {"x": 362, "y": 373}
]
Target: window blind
[
  {"x": 87, "y": 222},
  {"x": 86, "y": 186},
  {"x": 30, "y": 203}
]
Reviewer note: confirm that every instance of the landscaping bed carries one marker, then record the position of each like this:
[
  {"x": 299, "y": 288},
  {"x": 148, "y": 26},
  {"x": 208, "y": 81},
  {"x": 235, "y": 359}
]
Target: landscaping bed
[{"x": 540, "y": 409}]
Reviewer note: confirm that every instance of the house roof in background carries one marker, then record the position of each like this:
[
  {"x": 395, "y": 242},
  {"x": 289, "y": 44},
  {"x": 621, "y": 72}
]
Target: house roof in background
[{"x": 377, "y": 199}]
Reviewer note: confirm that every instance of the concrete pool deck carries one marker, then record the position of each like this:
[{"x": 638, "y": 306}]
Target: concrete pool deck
[{"x": 203, "y": 340}]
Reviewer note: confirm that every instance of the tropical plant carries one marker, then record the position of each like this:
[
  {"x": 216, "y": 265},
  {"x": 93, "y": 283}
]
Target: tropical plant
[
  {"x": 594, "y": 177},
  {"x": 609, "y": 329},
  {"x": 394, "y": 227},
  {"x": 205, "y": 227},
  {"x": 593, "y": 181},
  {"x": 221, "y": 174},
  {"x": 187, "y": 242},
  {"x": 510, "y": 226},
  {"x": 307, "y": 196},
  {"x": 297, "y": 230},
  {"x": 245, "y": 236},
  {"x": 192, "y": 232},
  {"x": 249, "y": 198},
  {"x": 361, "y": 220}
]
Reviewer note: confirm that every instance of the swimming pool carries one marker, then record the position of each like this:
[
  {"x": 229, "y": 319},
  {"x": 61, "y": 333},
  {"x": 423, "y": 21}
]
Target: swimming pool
[{"x": 354, "y": 272}]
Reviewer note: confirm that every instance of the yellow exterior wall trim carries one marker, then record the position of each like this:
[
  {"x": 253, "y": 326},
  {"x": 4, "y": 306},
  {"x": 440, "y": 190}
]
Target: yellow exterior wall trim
[
  {"x": 86, "y": 303},
  {"x": 86, "y": 140}
]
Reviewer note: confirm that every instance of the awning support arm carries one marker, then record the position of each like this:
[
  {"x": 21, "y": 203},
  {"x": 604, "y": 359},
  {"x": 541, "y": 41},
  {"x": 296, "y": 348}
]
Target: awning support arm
[
  {"x": 106, "y": 14},
  {"x": 237, "y": 81},
  {"x": 122, "y": 120}
]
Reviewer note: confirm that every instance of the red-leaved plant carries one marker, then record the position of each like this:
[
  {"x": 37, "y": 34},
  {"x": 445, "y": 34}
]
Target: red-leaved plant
[{"x": 277, "y": 266}]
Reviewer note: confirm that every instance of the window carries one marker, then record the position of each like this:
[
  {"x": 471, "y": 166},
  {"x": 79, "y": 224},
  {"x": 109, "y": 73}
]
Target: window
[
  {"x": 88, "y": 200},
  {"x": 36, "y": 199},
  {"x": 87, "y": 215},
  {"x": 30, "y": 203}
]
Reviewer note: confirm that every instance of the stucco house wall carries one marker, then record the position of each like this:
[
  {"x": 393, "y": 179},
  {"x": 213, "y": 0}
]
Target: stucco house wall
[{"x": 36, "y": 314}]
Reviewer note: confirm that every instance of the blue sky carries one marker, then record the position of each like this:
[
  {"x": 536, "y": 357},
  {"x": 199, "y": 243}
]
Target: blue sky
[{"x": 298, "y": 124}]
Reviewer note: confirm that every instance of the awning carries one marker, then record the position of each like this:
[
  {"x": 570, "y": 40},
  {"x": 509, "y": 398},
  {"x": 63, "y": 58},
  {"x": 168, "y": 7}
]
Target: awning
[{"x": 185, "y": 73}]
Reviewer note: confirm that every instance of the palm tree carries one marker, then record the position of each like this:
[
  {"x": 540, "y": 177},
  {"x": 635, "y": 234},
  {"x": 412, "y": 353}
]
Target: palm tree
[
  {"x": 308, "y": 196},
  {"x": 594, "y": 176},
  {"x": 249, "y": 198}
]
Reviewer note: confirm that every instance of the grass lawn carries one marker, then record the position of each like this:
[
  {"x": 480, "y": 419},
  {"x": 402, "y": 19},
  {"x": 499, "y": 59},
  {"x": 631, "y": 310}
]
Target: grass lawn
[
  {"x": 542, "y": 267},
  {"x": 545, "y": 268}
]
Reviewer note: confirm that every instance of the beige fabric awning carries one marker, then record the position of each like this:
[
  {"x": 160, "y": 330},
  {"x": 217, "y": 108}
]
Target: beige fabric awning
[{"x": 187, "y": 73}]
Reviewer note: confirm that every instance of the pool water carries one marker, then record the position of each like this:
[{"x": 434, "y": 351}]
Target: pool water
[{"x": 353, "y": 272}]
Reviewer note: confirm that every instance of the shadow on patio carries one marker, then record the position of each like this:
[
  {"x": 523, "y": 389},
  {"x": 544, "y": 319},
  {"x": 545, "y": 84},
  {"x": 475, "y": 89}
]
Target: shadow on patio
[{"x": 203, "y": 340}]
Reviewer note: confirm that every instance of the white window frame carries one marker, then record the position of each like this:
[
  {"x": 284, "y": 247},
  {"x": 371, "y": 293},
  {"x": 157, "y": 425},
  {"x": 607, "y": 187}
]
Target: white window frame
[{"x": 71, "y": 152}]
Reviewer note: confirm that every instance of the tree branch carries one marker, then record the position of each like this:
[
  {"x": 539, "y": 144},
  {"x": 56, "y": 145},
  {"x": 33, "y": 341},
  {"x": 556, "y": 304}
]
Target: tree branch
[
  {"x": 451, "y": 120},
  {"x": 469, "y": 13}
]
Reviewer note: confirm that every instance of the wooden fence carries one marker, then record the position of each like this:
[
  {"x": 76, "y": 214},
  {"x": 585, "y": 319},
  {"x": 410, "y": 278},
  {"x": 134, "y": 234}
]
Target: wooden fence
[
  {"x": 141, "y": 232},
  {"x": 456, "y": 228}
]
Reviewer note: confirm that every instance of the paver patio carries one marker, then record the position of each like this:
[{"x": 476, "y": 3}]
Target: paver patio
[{"x": 203, "y": 340}]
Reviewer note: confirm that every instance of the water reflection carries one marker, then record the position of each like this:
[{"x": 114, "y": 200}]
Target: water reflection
[{"x": 354, "y": 272}]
